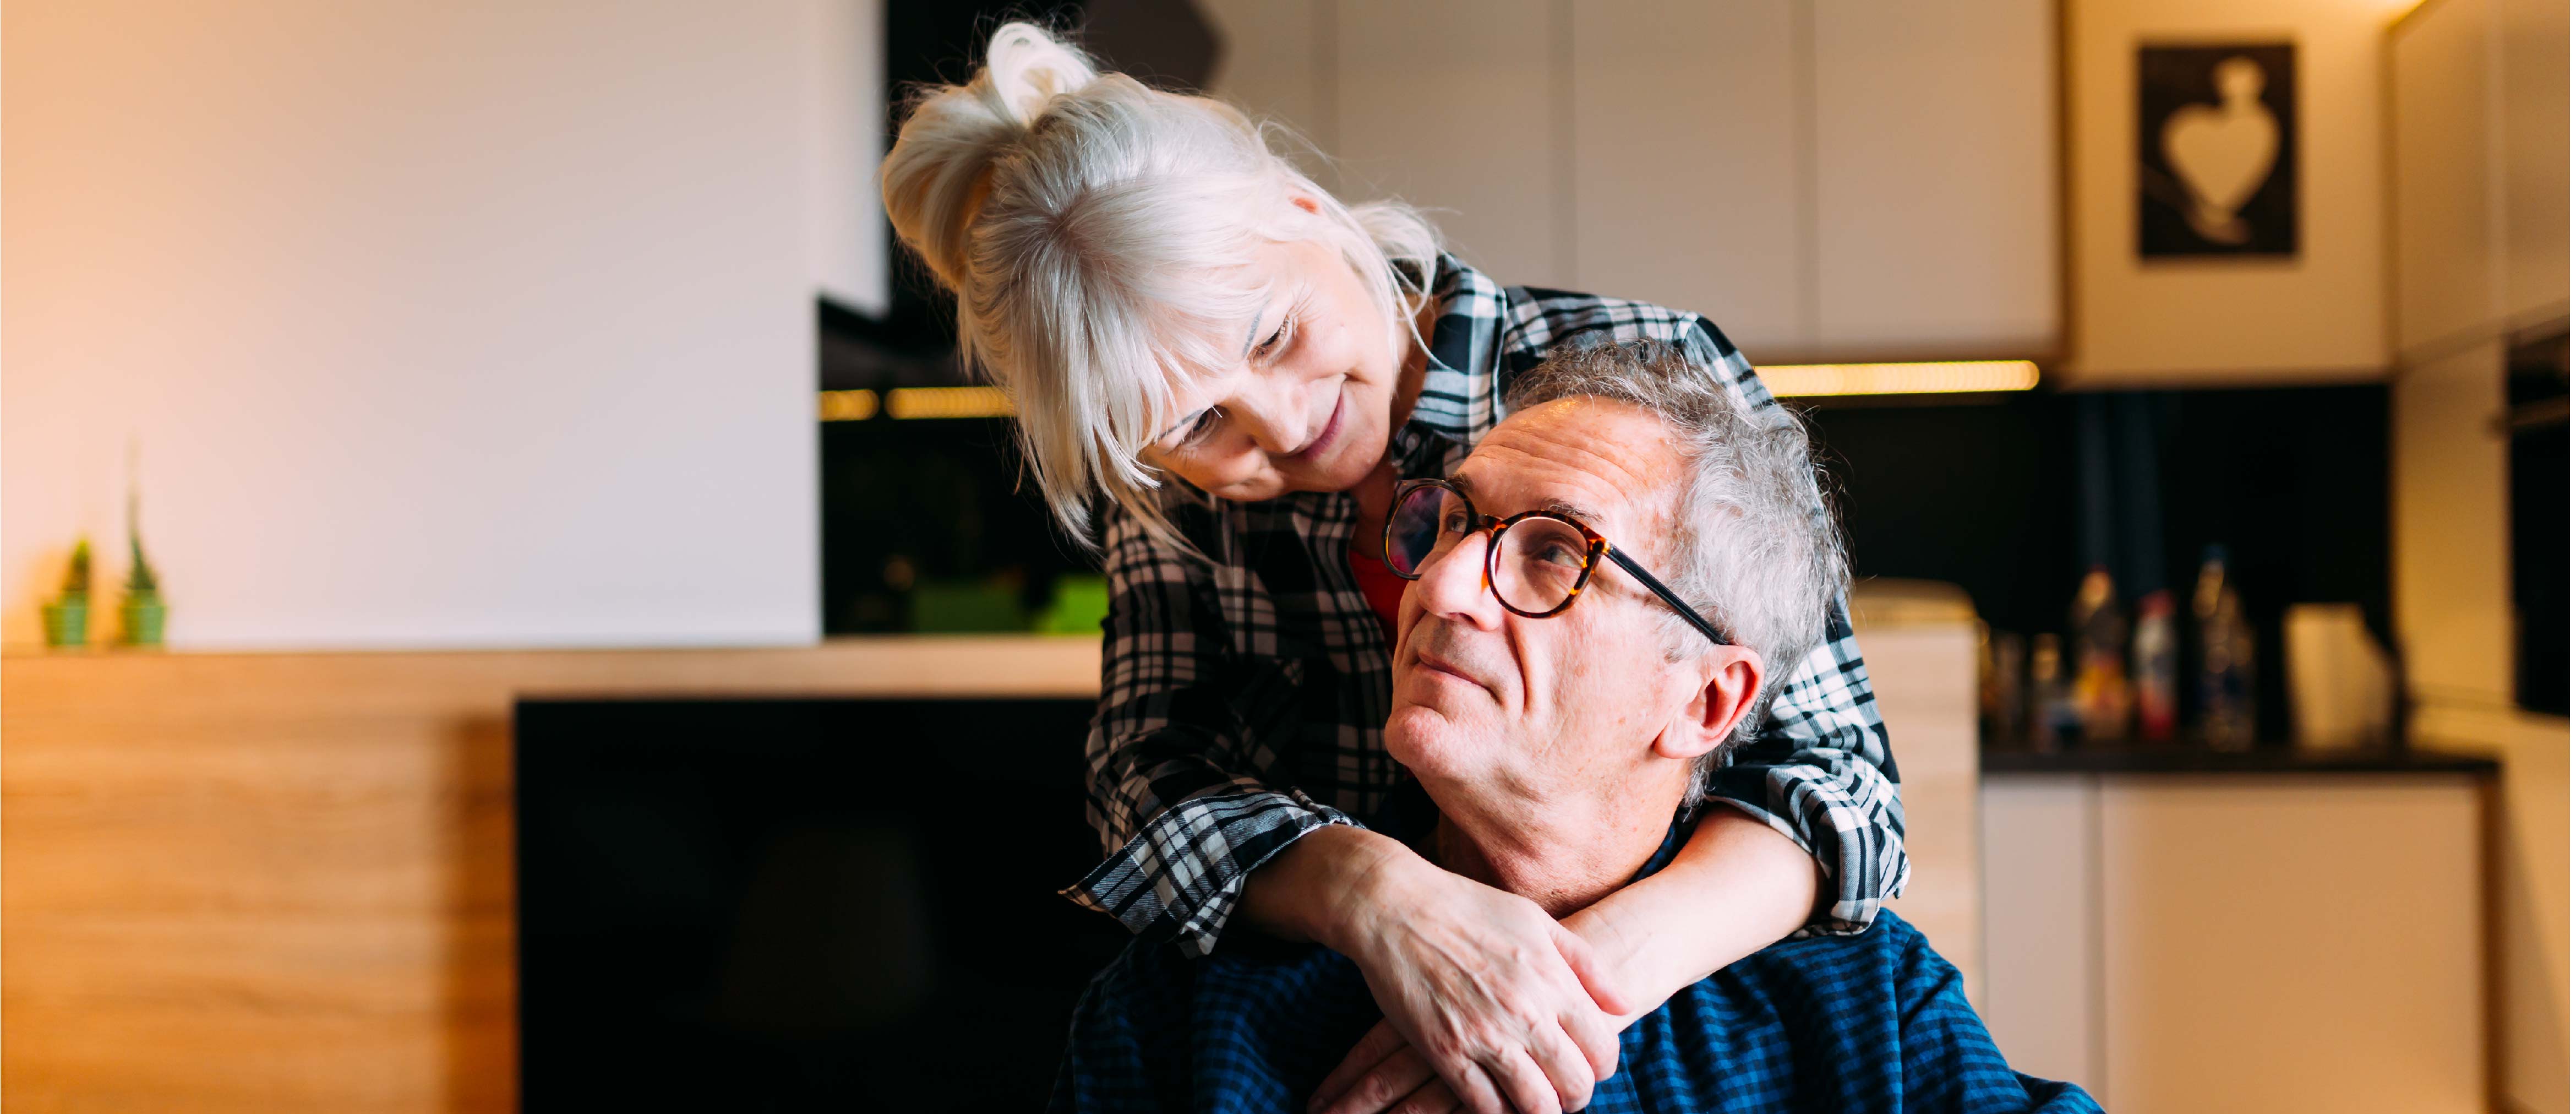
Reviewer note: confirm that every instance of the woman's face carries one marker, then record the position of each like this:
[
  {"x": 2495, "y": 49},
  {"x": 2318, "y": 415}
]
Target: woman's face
[{"x": 1309, "y": 407}]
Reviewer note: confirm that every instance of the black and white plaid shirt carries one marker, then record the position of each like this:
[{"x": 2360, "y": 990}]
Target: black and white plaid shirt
[{"x": 1243, "y": 702}]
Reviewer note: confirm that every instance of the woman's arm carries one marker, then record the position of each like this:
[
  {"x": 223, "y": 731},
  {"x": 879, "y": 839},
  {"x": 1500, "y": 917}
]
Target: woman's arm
[
  {"x": 1733, "y": 889},
  {"x": 1821, "y": 773},
  {"x": 1184, "y": 808}
]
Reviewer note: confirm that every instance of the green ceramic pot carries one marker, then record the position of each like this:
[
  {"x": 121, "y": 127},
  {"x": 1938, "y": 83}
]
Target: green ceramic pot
[
  {"x": 142, "y": 615},
  {"x": 67, "y": 621}
]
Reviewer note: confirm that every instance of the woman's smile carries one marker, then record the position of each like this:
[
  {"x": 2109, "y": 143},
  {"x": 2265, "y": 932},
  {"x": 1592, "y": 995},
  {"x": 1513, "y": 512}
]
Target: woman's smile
[{"x": 1323, "y": 442}]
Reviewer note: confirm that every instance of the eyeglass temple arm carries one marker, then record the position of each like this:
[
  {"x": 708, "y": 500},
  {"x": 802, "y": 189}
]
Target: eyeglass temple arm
[{"x": 1663, "y": 593}]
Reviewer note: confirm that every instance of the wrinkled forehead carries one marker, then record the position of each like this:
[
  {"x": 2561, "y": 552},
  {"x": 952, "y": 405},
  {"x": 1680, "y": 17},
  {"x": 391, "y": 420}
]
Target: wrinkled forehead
[
  {"x": 1186, "y": 335},
  {"x": 1209, "y": 316},
  {"x": 1602, "y": 462}
]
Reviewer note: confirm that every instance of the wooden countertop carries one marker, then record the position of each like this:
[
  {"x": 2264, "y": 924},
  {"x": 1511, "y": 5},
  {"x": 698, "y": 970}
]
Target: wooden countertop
[
  {"x": 908, "y": 665},
  {"x": 2178, "y": 759}
]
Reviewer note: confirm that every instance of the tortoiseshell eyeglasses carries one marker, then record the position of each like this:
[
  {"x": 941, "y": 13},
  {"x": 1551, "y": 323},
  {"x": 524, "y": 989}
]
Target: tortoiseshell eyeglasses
[{"x": 1536, "y": 562}]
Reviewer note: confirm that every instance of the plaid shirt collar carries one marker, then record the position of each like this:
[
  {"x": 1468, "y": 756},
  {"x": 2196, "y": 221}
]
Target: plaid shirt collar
[{"x": 1458, "y": 404}]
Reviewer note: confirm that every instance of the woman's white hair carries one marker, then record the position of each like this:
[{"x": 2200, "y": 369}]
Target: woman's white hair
[
  {"x": 1095, "y": 232},
  {"x": 1753, "y": 547}
]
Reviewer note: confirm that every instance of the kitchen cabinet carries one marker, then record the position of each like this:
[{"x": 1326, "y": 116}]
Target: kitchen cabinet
[
  {"x": 2479, "y": 162},
  {"x": 1271, "y": 64},
  {"x": 1454, "y": 104},
  {"x": 1936, "y": 217},
  {"x": 283, "y": 882},
  {"x": 1923, "y": 669},
  {"x": 2534, "y": 124},
  {"x": 2240, "y": 941},
  {"x": 1823, "y": 178},
  {"x": 1688, "y": 164},
  {"x": 2449, "y": 254}
]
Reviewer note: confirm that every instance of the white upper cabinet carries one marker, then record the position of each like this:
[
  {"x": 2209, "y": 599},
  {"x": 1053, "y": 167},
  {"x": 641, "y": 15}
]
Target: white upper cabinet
[
  {"x": 1454, "y": 105},
  {"x": 2480, "y": 164},
  {"x": 1686, "y": 164},
  {"x": 2534, "y": 91},
  {"x": 1821, "y": 178},
  {"x": 1270, "y": 62},
  {"x": 1936, "y": 178},
  {"x": 2449, "y": 258}
]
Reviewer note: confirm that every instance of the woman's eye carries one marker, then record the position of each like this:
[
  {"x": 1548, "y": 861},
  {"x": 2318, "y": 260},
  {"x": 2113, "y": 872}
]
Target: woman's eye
[
  {"x": 1278, "y": 337},
  {"x": 1199, "y": 428}
]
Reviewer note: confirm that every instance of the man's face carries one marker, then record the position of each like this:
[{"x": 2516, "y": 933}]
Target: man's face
[{"x": 1509, "y": 706}]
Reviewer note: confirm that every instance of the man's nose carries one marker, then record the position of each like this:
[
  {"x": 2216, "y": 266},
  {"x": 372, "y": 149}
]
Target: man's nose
[{"x": 1452, "y": 584}]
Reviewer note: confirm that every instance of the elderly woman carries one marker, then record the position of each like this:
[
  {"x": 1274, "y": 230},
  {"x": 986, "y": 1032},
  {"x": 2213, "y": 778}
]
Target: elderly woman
[{"x": 1224, "y": 371}]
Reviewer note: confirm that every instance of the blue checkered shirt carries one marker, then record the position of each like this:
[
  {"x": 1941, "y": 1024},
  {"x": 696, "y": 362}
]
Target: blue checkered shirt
[
  {"x": 1243, "y": 698},
  {"x": 1872, "y": 1021}
]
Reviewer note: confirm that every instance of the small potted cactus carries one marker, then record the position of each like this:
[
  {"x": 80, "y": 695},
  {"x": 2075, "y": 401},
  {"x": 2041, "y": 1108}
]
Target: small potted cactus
[
  {"x": 67, "y": 617},
  {"x": 141, "y": 610}
]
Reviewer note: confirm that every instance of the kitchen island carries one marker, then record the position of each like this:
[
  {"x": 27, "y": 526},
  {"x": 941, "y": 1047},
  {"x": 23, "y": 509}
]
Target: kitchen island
[{"x": 284, "y": 881}]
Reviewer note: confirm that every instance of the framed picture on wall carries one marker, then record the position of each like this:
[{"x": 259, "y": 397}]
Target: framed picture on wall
[{"x": 2218, "y": 151}]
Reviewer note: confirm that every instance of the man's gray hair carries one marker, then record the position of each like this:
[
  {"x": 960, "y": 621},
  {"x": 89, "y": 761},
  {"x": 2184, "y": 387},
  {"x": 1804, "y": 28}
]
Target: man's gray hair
[{"x": 1753, "y": 547}]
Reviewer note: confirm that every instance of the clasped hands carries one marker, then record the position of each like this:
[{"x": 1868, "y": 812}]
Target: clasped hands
[{"x": 1491, "y": 1004}]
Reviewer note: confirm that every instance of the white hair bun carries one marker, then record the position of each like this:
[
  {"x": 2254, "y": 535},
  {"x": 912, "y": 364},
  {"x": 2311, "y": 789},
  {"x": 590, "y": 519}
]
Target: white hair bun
[
  {"x": 938, "y": 173},
  {"x": 1029, "y": 67}
]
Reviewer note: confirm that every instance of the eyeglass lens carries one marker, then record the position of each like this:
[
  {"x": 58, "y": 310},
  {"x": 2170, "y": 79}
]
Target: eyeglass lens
[{"x": 1537, "y": 562}]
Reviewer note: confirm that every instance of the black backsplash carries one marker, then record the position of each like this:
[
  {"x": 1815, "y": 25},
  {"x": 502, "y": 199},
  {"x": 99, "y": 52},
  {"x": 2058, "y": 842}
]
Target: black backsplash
[
  {"x": 2012, "y": 500},
  {"x": 1994, "y": 496}
]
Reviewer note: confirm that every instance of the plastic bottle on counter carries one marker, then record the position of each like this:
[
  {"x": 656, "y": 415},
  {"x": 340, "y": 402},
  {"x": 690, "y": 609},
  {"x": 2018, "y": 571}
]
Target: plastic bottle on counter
[
  {"x": 2226, "y": 656},
  {"x": 2153, "y": 651},
  {"x": 2101, "y": 652},
  {"x": 2052, "y": 715},
  {"x": 2000, "y": 677}
]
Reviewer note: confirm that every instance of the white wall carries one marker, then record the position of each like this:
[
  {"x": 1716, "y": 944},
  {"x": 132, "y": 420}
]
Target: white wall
[
  {"x": 845, "y": 98},
  {"x": 2319, "y": 317},
  {"x": 454, "y": 324}
]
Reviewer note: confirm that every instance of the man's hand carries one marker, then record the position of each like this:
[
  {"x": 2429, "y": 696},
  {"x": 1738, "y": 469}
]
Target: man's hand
[
  {"x": 1491, "y": 1005},
  {"x": 1383, "y": 1075}
]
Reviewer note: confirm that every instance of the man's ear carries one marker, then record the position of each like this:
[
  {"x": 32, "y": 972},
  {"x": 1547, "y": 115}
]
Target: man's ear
[{"x": 1730, "y": 678}]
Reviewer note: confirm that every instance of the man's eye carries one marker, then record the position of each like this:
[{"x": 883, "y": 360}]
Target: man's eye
[
  {"x": 1558, "y": 553},
  {"x": 1453, "y": 523}
]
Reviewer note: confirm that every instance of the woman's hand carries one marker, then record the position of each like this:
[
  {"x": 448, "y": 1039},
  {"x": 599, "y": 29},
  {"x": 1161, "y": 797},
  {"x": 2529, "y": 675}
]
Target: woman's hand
[
  {"x": 1735, "y": 886},
  {"x": 1384, "y": 1074},
  {"x": 1491, "y": 1005}
]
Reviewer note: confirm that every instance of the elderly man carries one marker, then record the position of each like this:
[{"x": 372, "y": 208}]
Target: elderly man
[{"x": 1557, "y": 704}]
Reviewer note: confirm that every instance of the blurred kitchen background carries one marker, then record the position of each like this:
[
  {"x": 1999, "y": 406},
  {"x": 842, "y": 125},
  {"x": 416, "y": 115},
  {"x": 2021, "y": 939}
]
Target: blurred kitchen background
[{"x": 581, "y": 560}]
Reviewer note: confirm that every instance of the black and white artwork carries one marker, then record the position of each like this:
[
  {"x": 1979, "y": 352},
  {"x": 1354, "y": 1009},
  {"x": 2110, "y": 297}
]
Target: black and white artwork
[{"x": 2218, "y": 152}]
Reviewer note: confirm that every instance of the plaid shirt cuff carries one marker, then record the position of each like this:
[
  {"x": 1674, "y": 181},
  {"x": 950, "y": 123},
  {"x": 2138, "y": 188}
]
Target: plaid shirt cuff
[
  {"x": 1182, "y": 874},
  {"x": 1862, "y": 854}
]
